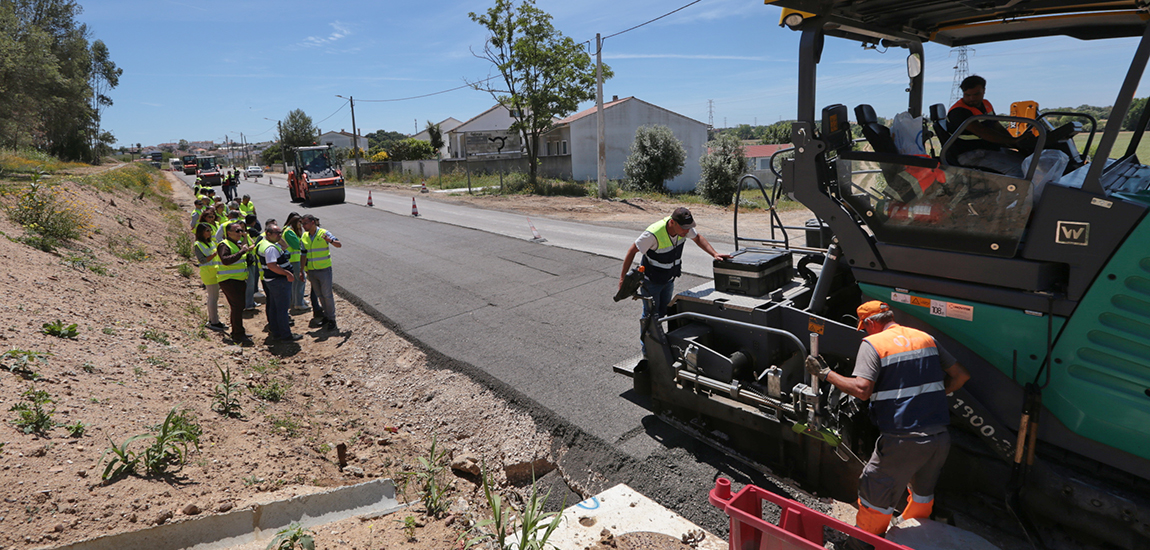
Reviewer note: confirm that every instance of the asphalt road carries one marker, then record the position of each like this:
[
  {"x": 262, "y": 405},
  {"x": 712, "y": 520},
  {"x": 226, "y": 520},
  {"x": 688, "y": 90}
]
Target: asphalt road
[{"x": 537, "y": 318}]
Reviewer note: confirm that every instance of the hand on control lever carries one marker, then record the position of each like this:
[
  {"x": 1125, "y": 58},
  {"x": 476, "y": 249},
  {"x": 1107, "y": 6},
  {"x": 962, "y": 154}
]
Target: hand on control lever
[{"x": 817, "y": 367}]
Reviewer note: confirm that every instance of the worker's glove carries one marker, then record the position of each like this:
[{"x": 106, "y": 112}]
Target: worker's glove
[{"x": 817, "y": 367}]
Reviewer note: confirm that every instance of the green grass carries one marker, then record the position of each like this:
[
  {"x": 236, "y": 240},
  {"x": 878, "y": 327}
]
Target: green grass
[{"x": 1120, "y": 144}]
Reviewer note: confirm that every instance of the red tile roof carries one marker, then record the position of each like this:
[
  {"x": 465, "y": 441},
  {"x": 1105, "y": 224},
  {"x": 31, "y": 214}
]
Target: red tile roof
[{"x": 758, "y": 151}]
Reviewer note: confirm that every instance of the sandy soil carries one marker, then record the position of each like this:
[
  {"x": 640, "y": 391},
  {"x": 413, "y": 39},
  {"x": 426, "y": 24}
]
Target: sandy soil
[{"x": 141, "y": 352}]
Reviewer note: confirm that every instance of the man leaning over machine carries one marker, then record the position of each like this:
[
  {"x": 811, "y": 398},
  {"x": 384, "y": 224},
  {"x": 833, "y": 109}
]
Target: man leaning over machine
[{"x": 905, "y": 375}]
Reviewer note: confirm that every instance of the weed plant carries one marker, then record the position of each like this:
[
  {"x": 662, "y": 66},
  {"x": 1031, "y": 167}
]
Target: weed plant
[
  {"x": 58, "y": 329},
  {"x": 169, "y": 448},
  {"x": 534, "y": 529},
  {"x": 226, "y": 400},
  {"x": 125, "y": 248},
  {"x": 409, "y": 525},
  {"x": 77, "y": 429},
  {"x": 48, "y": 214},
  {"x": 85, "y": 260},
  {"x": 185, "y": 424},
  {"x": 289, "y": 426},
  {"x": 291, "y": 537},
  {"x": 185, "y": 270},
  {"x": 428, "y": 477},
  {"x": 272, "y": 390},
  {"x": 180, "y": 241},
  {"x": 34, "y": 413},
  {"x": 156, "y": 336},
  {"x": 21, "y": 362}
]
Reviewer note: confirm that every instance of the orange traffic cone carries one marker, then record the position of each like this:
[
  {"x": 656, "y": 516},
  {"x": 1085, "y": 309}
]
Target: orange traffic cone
[
  {"x": 423, "y": 189},
  {"x": 369, "y": 203},
  {"x": 414, "y": 210},
  {"x": 535, "y": 236}
]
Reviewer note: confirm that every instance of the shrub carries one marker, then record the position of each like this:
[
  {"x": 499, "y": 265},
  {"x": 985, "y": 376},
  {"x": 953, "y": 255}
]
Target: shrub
[
  {"x": 656, "y": 156},
  {"x": 723, "y": 164},
  {"x": 47, "y": 211},
  {"x": 33, "y": 416},
  {"x": 380, "y": 156}
]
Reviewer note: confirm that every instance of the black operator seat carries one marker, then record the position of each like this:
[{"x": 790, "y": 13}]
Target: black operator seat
[
  {"x": 876, "y": 134},
  {"x": 938, "y": 122}
]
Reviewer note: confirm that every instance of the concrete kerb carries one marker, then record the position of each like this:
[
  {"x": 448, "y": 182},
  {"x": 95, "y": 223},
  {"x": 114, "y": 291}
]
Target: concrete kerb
[{"x": 256, "y": 522}]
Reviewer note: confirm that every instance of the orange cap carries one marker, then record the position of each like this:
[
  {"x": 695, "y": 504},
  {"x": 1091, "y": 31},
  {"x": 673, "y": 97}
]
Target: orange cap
[{"x": 873, "y": 307}]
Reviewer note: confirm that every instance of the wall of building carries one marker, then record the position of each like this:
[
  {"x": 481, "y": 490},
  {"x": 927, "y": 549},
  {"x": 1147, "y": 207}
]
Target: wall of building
[
  {"x": 339, "y": 140},
  {"x": 621, "y": 123}
]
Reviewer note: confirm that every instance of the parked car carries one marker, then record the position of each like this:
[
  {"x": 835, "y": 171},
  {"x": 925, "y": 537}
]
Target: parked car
[{"x": 254, "y": 172}]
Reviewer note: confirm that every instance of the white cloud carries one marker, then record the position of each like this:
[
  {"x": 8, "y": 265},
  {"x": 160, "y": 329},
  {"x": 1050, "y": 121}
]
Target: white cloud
[{"x": 340, "y": 31}]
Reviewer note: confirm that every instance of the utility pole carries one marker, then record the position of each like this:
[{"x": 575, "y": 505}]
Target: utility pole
[
  {"x": 711, "y": 113},
  {"x": 599, "y": 117},
  {"x": 355, "y": 134}
]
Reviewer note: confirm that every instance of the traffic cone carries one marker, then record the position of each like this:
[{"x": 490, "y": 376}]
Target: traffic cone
[
  {"x": 423, "y": 189},
  {"x": 369, "y": 203},
  {"x": 535, "y": 236},
  {"x": 414, "y": 210}
]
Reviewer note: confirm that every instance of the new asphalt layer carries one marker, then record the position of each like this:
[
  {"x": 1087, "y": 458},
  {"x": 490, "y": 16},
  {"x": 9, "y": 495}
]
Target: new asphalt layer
[{"x": 534, "y": 321}]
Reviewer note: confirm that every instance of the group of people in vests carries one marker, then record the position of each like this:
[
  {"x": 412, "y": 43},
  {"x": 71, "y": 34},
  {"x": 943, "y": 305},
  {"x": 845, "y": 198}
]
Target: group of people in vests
[{"x": 236, "y": 254}]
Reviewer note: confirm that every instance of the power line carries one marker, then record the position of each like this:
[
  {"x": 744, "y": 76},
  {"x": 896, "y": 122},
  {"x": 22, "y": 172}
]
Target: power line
[
  {"x": 333, "y": 114},
  {"x": 426, "y": 95},
  {"x": 653, "y": 20}
]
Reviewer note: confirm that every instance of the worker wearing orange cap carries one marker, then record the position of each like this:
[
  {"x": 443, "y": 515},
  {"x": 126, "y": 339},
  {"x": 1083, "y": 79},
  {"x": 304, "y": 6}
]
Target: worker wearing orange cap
[{"x": 905, "y": 375}]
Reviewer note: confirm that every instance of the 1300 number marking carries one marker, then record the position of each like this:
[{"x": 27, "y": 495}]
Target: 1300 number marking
[{"x": 976, "y": 421}]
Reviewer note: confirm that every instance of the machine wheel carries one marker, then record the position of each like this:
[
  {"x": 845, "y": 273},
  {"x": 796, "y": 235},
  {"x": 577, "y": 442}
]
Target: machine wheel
[{"x": 294, "y": 196}]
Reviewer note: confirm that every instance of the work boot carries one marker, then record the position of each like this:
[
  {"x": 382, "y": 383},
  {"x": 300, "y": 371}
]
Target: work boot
[
  {"x": 316, "y": 322},
  {"x": 330, "y": 325}
]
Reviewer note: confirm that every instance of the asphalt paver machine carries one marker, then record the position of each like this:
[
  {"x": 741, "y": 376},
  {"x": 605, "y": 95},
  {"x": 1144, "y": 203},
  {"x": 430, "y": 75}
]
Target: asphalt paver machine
[
  {"x": 315, "y": 177},
  {"x": 1041, "y": 291}
]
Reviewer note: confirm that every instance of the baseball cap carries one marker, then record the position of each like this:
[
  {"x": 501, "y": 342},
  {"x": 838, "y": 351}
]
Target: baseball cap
[
  {"x": 873, "y": 307},
  {"x": 683, "y": 217}
]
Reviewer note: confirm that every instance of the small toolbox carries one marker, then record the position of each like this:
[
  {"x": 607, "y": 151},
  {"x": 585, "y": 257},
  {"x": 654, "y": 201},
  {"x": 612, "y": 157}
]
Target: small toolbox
[{"x": 753, "y": 272}]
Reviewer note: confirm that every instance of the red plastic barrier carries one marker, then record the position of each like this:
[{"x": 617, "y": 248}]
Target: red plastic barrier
[{"x": 799, "y": 528}]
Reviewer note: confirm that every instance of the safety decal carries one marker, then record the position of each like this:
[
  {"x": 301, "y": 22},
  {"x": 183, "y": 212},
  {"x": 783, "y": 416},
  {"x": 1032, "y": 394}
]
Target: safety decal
[
  {"x": 816, "y": 325},
  {"x": 938, "y": 308}
]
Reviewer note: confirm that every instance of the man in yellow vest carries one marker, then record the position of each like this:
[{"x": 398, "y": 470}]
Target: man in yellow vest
[
  {"x": 904, "y": 375},
  {"x": 662, "y": 248},
  {"x": 316, "y": 257}
]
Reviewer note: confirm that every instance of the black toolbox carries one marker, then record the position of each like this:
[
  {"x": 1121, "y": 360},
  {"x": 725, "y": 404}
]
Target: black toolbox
[
  {"x": 753, "y": 272},
  {"x": 819, "y": 234}
]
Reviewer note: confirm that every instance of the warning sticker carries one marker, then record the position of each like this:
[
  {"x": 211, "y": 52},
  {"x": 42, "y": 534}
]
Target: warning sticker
[
  {"x": 960, "y": 311},
  {"x": 938, "y": 308},
  {"x": 815, "y": 325}
]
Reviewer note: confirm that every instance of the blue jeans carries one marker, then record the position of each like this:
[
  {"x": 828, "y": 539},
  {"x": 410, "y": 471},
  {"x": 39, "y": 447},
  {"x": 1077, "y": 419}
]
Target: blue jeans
[
  {"x": 322, "y": 299},
  {"x": 278, "y": 292},
  {"x": 662, "y": 294},
  {"x": 297, "y": 286},
  {"x": 253, "y": 284}
]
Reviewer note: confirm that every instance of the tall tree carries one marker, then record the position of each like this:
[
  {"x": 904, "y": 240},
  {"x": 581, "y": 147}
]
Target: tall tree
[
  {"x": 104, "y": 76},
  {"x": 183, "y": 145},
  {"x": 298, "y": 130},
  {"x": 542, "y": 74}
]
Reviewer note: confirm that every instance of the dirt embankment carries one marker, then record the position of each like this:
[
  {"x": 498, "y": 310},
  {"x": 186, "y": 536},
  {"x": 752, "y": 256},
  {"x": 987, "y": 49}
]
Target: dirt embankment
[{"x": 140, "y": 351}]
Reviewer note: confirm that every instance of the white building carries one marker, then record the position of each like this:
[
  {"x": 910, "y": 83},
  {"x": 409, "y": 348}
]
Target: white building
[
  {"x": 445, "y": 128},
  {"x": 341, "y": 139},
  {"x": 577, "y": 136},
  {"x": 494, "y": 121}
]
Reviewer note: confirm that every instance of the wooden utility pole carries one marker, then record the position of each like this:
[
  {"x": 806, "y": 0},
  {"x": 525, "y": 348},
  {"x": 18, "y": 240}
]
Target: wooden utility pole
[
  {"x": 599, "y": 116},
  {"x": 354, "y": 137}
]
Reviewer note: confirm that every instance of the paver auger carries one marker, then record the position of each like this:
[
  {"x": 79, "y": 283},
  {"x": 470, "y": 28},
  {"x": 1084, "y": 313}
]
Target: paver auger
[{"x": 1046, "y": 301}]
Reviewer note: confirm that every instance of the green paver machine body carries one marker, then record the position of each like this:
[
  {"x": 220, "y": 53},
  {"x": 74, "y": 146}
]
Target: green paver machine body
[{"x": 1051, "y": 294}]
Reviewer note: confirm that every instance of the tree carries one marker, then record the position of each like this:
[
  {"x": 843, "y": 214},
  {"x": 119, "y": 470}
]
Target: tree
[
  {"x": 779, "y": 132},
  {"x": 411, "y": 149},
  {"x": 383, "y": 140},
  {"x": 103, "y": 77},
  {"x": 271, "y": 155},
  {"x": 656, "y": 156},
  {"x": 183, "y": 145},
  {"x": 1134, "y": 114},
  {"x": 723, "y": 164},
  {"x": 542, "y": 74},
  {"x": 435, "y": 135},
  {"x": 297, "y": 130}
]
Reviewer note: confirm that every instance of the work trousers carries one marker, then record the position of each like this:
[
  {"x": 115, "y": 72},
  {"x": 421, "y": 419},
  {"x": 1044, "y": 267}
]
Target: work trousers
[
  {"x": 297, "y": 286},
  {"x": 322, "y": 299},
  {"x": 900, "y": 462},
  {"x": 278, "y": 292},
  {"x": 253, "y": 285},
  {"x": 234, "y": 291},
  {"x": 229, "y": 192},
  {"x": 662, "y": 294},
  {"x": 213, "y": 303}
]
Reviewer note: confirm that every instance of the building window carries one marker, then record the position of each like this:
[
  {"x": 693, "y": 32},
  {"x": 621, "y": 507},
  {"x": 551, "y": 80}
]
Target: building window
[
  {"x": 564, "y": 147},
  {"x": 549, "y": 153}
]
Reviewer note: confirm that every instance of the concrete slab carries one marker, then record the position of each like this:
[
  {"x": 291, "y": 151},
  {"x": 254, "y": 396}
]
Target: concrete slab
[
  {"x": 925, "y": 534},
  {"x": 622, "y": 510},
  {"x": 257, "y": 523}
]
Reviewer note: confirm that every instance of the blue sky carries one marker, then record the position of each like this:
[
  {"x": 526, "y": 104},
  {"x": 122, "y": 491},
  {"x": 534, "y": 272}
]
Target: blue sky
[{"x": 200, "y": 69}]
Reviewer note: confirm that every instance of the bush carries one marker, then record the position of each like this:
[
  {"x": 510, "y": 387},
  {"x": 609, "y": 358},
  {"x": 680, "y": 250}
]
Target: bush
[
  {"x": 656, "y": 156},
  {"x": 412, "y": 149},
  {"x": 47, "y": 211},
  {"x": 723, "y": 164}
]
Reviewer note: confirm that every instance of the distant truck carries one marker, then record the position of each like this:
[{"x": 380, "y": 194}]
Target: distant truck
[
  {"x": 208, "y": 171},
  {"x": 189, "y": 164}
]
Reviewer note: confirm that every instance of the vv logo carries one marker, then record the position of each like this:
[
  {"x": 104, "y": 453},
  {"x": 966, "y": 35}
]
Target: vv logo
[{"x": 1076, "y": 233}]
